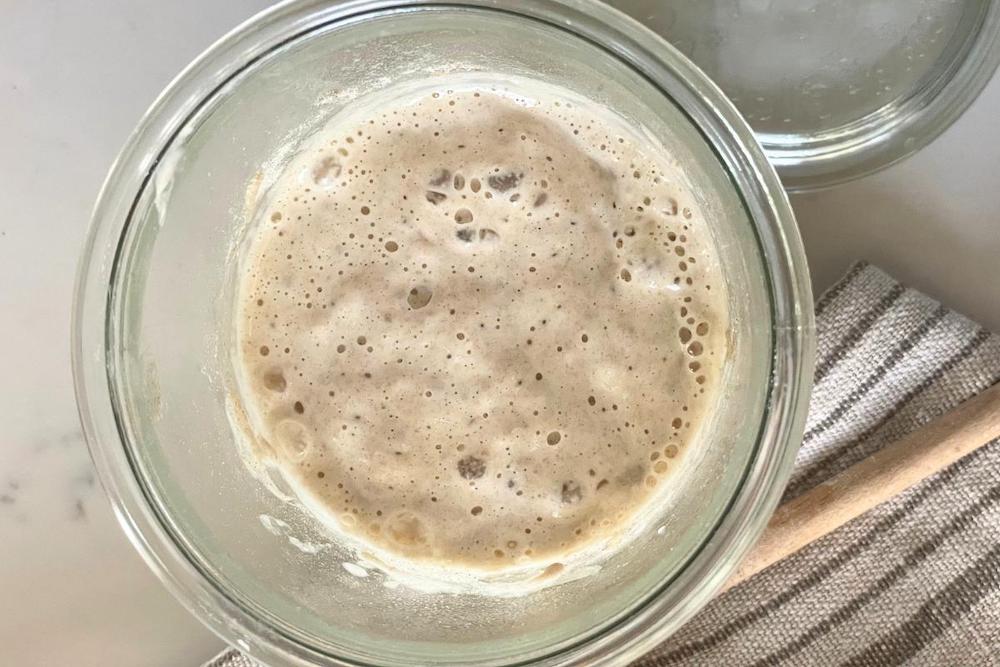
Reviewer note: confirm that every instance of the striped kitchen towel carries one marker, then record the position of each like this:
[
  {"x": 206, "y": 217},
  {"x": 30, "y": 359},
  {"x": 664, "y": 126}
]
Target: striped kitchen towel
[{"x": 915, "y": 581}]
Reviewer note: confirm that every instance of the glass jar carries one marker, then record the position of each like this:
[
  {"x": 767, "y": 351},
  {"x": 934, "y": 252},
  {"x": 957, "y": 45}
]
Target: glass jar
[{"x": 151, "y": 337}]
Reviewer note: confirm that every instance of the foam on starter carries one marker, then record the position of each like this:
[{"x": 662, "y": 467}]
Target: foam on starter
[{"x": 478, "y": 323}]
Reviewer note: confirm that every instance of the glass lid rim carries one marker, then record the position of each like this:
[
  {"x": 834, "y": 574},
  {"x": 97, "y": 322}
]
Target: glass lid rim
[{"x": 898, "y": 129}]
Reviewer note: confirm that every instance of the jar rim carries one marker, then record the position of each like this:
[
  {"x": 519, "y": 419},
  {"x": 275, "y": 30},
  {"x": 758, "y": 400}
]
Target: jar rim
[{"x": 755, "y": 179}]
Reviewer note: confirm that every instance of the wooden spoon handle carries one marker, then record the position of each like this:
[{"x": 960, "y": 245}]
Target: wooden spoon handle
[{"x": 885, "y": 474}]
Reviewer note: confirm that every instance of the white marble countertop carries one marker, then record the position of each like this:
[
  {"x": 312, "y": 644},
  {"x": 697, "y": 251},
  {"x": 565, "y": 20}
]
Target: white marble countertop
[{"x": 75, "y": 76}]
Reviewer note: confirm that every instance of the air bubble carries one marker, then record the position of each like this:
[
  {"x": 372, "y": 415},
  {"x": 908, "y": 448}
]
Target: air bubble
[
  {"x": 293, "y": 437},
  {"x": 552, "y": 570},
  {"x": 571, "y": 492},
  {"x": 275, "y": 381},
  {"x": 419, "y": 297},
  {"x": 471, "y": 467},
  {"x": 504, "y": 182},
  {"x": 439, "y": 177}
]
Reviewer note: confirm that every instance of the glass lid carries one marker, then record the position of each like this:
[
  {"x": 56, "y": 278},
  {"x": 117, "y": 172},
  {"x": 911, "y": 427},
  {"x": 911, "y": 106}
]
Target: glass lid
[{"x": 836, "y": 89}]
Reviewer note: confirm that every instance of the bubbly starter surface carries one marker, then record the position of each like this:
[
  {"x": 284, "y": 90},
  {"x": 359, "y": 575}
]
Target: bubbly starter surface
[{"x": 478, "y": 325}]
